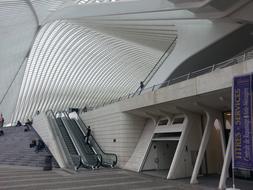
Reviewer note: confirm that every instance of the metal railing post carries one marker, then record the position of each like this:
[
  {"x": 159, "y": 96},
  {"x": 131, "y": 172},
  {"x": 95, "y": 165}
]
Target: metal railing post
[
  {"x": 232, "y": 61},
  {"x": 153, "y": 88},
  {"x": 188, "y": 76},
  {"x": 244, "y": 57},
  {"x": 168, "y": 83},
  {"x": 213, "y": 67}
]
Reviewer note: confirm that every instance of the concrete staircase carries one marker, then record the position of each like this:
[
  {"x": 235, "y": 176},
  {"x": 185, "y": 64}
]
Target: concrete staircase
[{"x": 15, "y": 148}]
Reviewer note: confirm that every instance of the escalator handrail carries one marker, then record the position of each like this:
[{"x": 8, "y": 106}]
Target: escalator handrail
[
  {"x": 84, "y": 162},
  {"x": 62, "y": 145},
  {"x": 100, "y": 149},
  {"x": 57, "y": 121},
  {"x": 98, "y": 156}
]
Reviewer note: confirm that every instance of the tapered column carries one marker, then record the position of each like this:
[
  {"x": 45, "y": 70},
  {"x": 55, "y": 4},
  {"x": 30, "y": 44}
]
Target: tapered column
[
  {"x": 180, "y": 148},
  {"x": 226, "y": 163},
  {"x": 222, "y": 137},
  {"x": 203, "y": 145}
]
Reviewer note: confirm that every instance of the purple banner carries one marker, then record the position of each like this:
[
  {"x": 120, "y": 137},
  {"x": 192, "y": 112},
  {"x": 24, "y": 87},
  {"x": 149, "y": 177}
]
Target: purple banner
[{"x": 242, "y": 120}]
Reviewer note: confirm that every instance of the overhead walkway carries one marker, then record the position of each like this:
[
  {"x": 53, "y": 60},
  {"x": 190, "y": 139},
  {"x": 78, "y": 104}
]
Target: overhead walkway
[{"x": 206, "y": 96}]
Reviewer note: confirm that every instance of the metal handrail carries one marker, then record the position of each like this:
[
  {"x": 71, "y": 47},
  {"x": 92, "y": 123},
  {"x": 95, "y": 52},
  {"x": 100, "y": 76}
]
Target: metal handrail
[
  {"x": 82, "y": 154},
  {"x": 157, "y": 65},
  {"x": 109, "y": 159},
  {"x": 59, "y": 139},
  {"x": 236, "y": 60}
]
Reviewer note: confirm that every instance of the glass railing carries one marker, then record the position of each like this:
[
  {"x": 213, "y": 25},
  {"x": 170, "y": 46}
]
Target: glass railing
[{"x": 108, "y": 159}]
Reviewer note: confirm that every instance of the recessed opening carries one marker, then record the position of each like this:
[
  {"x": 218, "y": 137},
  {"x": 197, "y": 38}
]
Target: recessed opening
[
  {"x": 163, "y": 122},
  {"x": 178, "y": 120}
]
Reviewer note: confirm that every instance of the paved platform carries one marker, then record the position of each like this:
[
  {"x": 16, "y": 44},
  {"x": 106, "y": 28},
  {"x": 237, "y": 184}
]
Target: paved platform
[{"x": 103, "y": 179}]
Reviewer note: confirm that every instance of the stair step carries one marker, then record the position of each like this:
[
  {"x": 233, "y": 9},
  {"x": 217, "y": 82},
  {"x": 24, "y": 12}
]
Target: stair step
[{"x": 15, "y": 148}]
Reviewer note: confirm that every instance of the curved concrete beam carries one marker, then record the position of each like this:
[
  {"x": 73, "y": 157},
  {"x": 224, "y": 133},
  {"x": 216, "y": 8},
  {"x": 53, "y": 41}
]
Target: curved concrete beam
[
  {"x": 193, "y": 36},
  {"x": 120, "y": 8}
]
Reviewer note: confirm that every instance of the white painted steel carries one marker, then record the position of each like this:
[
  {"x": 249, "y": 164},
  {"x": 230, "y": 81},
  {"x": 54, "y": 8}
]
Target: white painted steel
[
  {"x": 211, "y": 116},
  {"x": 187, "y": 124},
  {"x": 136, "y": 161},
  {"x": 72, "y": 65},
  {"x": 106, "y": 37},
  {"x": 226, "y": 164}
]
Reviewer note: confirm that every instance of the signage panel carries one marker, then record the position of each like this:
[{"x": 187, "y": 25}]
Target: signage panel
[{"x": 242, "y": 121}]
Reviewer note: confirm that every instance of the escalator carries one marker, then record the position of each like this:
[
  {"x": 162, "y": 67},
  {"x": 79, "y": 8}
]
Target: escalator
[
  {"x": 69, "y": 157},
  {"x": 66, "y": 137},
  {"x": 108, "y": 159},
  {"x": 74, "y": 154},
  {"x": 88, "y": 157}
]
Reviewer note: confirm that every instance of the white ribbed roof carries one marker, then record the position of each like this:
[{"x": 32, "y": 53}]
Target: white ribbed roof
[
  {"x": 73, "y": 65},
  {"x": 17, "y": 29},
  {"x": 95, "y": 1},
  {"x": 83, "y": 55}
]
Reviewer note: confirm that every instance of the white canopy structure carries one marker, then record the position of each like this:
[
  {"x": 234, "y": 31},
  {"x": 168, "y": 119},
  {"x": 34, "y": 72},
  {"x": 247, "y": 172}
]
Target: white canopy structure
[{"x": 57, "y": 54}]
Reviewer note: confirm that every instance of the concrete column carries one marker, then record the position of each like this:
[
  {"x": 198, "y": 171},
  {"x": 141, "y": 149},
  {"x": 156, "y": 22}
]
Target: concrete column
[
  {"x": 226, "y": 163},
  {"x": 180, "y": 148},
  {"x": 203, "y": 145},
  {"x": 222, "y": 137}
]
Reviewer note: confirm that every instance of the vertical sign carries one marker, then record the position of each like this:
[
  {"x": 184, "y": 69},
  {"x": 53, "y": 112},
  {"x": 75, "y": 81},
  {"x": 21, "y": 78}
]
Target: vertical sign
[{"x": 242, "y": 120}]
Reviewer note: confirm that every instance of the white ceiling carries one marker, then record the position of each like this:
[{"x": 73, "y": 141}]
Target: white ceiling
[{"x": 83, "y": 53}]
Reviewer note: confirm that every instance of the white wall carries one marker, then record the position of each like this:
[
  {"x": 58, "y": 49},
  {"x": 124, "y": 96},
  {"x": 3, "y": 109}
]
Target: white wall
[
  {"x": 42, "y": 127},
  {"x": 111, "y": 121},
  {"x": 214, "y": 153},
  {"x": 17, "y": 29},
  {"x": 193, "y": 36},
  {"x": 183, "y": 161},
  {"x": 9, "y": 103},
  {"x": 137, "y": 158},
  {"x": 245, "y": 14},
  {"x": 161, "y": 156},
  {"x": 151, "y": 159},
  {"x": 123, "y": 127}
]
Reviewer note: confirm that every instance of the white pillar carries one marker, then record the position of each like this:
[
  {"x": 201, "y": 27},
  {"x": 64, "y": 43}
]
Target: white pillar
[
  {"x": 226, "y": 163},
  {"x": 222, "y": 137},
  {"x": 203, "y": 145},
  {"x": 180, "y": 148}
]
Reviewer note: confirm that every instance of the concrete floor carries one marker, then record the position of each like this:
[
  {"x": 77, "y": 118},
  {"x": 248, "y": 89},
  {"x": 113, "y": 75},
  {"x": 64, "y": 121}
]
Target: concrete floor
[{"x": 102, "y": 179}]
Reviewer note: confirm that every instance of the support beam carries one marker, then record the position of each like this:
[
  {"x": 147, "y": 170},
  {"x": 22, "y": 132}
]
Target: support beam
[
  {"x": 188, "y": 124},
  {"x": 124, "y": 8},
  {"x": 211, "y": 117},
  {"x": 33, "y": 11},
  {"x": 154, "y": 118},
  {"x": 222, "y": 136},
  {"x": 179, "y": 149},
  {"x": 203, "y": 146},
  {"x": 226, "y": 163},
  {"x": 166, "y": 114}
]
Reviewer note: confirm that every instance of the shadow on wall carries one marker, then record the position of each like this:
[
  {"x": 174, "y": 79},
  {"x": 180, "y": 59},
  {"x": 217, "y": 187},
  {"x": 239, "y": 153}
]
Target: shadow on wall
[{"x": 226, "y": 48}]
